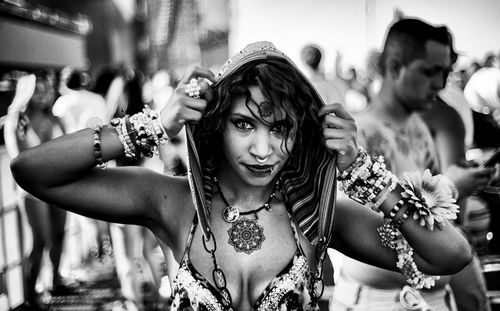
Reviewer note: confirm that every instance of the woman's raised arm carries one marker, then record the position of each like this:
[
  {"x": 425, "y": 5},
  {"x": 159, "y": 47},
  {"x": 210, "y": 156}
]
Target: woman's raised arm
[
  {"x": 63, "y": 172},
  {"x": 414, "y": 232}
]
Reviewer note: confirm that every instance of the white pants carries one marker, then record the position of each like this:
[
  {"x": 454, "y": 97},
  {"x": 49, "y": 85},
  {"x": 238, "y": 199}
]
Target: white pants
[{"x": 349, "y": 295}]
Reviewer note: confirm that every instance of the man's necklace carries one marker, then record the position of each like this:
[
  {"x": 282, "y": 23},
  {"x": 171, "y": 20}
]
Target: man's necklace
[{"x": 245, "y": 234}]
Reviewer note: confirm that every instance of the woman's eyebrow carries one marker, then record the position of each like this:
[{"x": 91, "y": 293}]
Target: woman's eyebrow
[
  {"x": 259, "y": 103},
  {"x": 241, "y": 115}
]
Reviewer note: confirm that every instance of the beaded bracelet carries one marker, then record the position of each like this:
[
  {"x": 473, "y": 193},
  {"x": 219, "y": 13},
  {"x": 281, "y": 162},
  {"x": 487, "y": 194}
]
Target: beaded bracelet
[
  {"x": 128, "y": 146},
  {"x": 360, "y": 159},
  {"x": 400, "y": 218},
  {"x": 396, "y": 208},
  {"x": 97, "y": 147},
  {"x": 367, "y": 181},
  {"x": 409, "y": 269},
  {"x": 392, "y": 238},
  {"x": 385, "y": 194},
  {"x": 141, "y": 133}
]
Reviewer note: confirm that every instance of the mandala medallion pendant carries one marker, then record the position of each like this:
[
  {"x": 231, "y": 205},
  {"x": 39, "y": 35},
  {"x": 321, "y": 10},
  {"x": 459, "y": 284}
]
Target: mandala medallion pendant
[
  {"x": 245, "y": 235},
  {"x": 231, "y": 214}
]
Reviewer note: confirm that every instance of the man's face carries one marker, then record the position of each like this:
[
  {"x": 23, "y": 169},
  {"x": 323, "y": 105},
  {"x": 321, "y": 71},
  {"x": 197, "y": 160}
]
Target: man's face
[{"x": 419, "y": 82}]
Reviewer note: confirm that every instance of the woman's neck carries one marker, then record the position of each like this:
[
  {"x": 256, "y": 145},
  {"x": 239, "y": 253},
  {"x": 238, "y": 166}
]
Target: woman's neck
[
  {"x": 37, "y": 111},
  {"x": 237, "y": 192}
]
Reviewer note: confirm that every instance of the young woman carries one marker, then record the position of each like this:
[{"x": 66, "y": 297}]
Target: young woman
[
  {"x": 250, "y": 223},
  {"x": 29, "y": 123}
]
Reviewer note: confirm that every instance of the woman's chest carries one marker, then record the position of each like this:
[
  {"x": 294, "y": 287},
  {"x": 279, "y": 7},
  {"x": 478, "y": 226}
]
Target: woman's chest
[
  {"x": 41, "y": 130},
  {"x": 251, "y": 258}
]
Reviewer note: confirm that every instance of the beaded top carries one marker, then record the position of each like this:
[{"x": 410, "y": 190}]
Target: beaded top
[{"x": 291, "y": 288}]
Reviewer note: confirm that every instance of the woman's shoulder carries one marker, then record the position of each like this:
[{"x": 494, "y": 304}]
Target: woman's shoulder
[{"x": 175, "y": 195}]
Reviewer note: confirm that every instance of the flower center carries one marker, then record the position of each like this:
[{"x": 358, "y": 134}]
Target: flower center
[{"x": 428, "y": 199}]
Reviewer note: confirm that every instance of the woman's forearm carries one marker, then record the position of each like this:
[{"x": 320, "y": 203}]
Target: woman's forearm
[
  {"x": 64, "y": 159},
  {"x": 431, "y": 245}
]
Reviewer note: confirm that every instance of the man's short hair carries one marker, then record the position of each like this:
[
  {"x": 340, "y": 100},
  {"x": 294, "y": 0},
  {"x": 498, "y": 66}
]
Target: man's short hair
[{"x": 408, "y": 37}]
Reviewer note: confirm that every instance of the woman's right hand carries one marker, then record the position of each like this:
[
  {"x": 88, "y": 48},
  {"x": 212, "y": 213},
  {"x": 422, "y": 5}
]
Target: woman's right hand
[{"x": 182, "y": 108}]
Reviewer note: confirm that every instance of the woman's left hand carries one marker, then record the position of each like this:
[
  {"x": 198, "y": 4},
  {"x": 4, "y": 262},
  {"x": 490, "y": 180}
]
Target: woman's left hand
[{"x": 339, "y": 133}]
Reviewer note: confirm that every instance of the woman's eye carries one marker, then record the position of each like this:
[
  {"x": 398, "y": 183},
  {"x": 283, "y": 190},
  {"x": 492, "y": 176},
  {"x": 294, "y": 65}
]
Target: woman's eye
[
  {"x": 280, "y": 129},
  {"x": 243, "y": 125},
  {"x": 430, "y": 72}
]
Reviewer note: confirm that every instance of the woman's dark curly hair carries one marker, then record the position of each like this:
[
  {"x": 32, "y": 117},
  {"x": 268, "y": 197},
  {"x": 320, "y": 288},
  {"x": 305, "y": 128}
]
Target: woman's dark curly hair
[{"x": 280, "y": 83}]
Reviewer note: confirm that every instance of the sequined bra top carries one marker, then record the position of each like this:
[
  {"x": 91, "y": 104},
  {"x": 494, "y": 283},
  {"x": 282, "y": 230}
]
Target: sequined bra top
[{"x": 289, "y": 290}]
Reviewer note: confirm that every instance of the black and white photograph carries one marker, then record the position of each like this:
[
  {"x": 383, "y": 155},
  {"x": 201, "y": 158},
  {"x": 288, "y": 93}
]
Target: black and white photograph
[{"x": 240, "y": 155}]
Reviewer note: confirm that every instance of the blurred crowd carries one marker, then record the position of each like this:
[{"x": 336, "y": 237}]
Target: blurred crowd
[{"x": 472, "y": 88}]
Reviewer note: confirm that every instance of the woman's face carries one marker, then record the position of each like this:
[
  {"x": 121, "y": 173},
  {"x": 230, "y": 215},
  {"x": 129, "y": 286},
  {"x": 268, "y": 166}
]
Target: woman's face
[
  {"x": 43, "y": 97},
  {"x": 255, "y": 150}
]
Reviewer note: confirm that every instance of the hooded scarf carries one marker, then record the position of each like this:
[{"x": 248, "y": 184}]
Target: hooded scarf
[{"x": 308, "y": 180}]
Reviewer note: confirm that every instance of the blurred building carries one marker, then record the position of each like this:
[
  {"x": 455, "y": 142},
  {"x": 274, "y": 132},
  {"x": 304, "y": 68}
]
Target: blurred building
[{"x": 147, "y": 35}]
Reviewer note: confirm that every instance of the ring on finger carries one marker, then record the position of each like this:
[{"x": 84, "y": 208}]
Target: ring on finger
[{"x": 193, "y": 88}]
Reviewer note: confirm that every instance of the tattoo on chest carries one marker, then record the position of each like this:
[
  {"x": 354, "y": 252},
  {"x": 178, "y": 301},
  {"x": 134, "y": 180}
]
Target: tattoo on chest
[{"x": 246, "y": 235}]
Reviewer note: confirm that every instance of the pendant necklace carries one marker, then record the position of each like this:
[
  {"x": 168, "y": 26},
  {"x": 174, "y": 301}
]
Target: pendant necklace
[{"x": 245, "y": 234}]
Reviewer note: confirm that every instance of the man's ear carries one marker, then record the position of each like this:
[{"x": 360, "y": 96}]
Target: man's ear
[{"x": 394, "y": 66}]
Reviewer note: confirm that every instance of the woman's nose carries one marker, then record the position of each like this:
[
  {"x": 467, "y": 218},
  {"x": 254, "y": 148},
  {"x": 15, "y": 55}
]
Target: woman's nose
[{"x": 261, "y": 147}]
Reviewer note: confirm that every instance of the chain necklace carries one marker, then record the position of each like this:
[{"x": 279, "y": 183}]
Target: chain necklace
[{"x": 245, "y": 234}]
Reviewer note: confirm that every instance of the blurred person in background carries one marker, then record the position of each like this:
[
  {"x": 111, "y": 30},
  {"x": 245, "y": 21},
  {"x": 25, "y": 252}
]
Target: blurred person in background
[
  {"x": 483, "y": 95},
  {"x": 30, "y": 122},
  {"x": 466, "y": 72},
  {"x": 450, "y": 122},
  {"x": 331, "y": 92},
  {"x": 491, "y": 60},
  {"x": 373, "y": 77},
  {"x": 102, "y": 81},
  {"x": 357, "y": 93},
  {"x": 415, "y": 58},
  {"x": 140, "y": 269},
  {"x": 78, "y": 107}
]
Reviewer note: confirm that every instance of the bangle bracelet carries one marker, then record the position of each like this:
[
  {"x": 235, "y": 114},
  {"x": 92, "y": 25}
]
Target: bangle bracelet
[
  {"x": 385, "y": 194},
  {"x": 400, "y": 219},
  {"x": 396, "y": 208},
  {"x": 97, "y": 147}
]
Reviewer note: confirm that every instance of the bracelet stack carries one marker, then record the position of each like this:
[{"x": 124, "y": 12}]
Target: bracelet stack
[
  {"x": 428, "y": 199},
  {"x": 431, "y": 203},
  {"x": 140, "y": 134},
  {"x": 367, "y": 181},
  {"x": 391, "y": 237}
]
